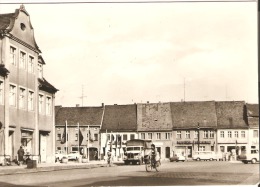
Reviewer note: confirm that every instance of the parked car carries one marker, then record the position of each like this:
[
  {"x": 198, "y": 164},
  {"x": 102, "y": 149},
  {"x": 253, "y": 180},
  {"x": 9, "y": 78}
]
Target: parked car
[
  {"x": 252, "y": 157},
  {"x": 205, "y": 155},
  {"x": 177, "y": 158},
  {"x": 59, "y": 154},
  {"x": 73, "y": 155}
]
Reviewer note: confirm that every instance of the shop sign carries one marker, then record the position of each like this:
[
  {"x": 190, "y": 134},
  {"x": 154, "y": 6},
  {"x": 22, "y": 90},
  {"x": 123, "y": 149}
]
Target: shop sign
[{"x": 193, "y": 142}]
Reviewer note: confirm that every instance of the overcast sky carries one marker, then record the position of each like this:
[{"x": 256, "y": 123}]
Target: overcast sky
[{"x": 138, "y": 52}]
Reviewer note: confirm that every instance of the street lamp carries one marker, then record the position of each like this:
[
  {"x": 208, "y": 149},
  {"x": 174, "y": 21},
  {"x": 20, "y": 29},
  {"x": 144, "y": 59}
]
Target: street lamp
[{"x": 198, "y": 136}]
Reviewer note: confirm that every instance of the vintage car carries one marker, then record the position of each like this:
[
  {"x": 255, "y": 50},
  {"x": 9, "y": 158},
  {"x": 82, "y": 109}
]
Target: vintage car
[{"x": 177, "y": 158}]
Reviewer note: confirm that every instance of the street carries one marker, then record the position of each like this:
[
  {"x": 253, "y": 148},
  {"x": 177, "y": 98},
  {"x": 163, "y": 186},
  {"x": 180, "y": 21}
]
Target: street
[{"x": 171, "y": 173}]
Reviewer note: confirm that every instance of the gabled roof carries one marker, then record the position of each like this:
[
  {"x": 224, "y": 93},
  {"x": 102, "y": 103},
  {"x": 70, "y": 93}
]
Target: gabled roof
[
  {"x": 46, "y": 86},
  {"x": 231, "y": 114},
  {"x": 118, "y": 118},
  {"x": 81, "y": 115},
  {"x": 154, "y": 117},
  {"x": 189, "y": 114},
  {"x": 253, "y": 115}
]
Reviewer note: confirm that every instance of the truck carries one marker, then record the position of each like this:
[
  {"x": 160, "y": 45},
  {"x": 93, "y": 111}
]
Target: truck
[
  {"x": 252, "y": 156},
  {"x": 135, "y": 151}
]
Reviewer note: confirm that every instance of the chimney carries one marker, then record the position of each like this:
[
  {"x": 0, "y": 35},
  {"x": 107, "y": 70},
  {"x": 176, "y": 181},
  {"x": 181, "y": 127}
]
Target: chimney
[
  {"x": 147, "y": 101},
  {"x": 77, "y": 105},
  {"x": 102, "y": 104}
]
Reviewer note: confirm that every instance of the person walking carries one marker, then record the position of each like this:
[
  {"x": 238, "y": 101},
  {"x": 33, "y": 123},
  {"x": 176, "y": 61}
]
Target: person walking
[
  {"x": 20, "y": 153},
  {"x": 109, "y": 158}
]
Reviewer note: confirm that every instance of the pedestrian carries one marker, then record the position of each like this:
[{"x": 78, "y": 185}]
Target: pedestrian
[
  {"x": 20, "y": 153},
  {"x": 96, "y": 155},
  {"x": 109, "y": 158}
]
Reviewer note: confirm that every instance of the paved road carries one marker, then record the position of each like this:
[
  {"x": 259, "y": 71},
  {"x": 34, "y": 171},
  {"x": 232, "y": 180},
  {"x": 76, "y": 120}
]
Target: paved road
[{"x": 187, "y": 173}]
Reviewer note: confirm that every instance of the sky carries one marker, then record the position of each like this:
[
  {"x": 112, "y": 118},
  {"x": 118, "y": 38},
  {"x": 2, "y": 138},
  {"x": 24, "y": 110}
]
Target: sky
[{"x": 125, "y": 53}]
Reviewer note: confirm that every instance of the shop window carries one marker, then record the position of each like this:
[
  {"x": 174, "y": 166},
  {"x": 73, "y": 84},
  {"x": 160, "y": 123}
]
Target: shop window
[{"x": 222, "y": 148}]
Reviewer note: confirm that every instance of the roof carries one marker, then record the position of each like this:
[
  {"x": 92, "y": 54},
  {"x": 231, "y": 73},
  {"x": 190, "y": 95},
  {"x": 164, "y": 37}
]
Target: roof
[
  {"x": 253, "y": 115},
  {"x": 154, "y": 117},
  {"x": 81, "y": 115},
  {"x": 7, "y": 20},
  {"x": 46, "y": 86},
  {"x": 119, "y": 118},
  {"x": 231, "y": 114},
  {"x": 190, "y": 114}
]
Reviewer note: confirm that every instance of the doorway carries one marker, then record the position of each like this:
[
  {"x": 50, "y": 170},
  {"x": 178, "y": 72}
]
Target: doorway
[{"x": 167, "y": 152}]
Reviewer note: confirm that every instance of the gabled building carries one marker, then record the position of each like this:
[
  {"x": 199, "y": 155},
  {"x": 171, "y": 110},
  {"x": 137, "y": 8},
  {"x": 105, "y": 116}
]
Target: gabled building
[
  {"x": 78, "y": 129},
  {"x": 119, "y": 125},
  {"x": 26, "y": 97},
  {"x": 253, "y": 123},
  {"x": 154, "y": 122},
  {"x": 194, "y": 127},
  {"x": 232, "y": 126}
]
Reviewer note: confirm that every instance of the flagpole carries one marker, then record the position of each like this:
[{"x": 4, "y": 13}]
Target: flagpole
[
  {"x": 78, "y": 138},
  {"x": 66, "y": 137},
  {"x": 88, "y": 141}
]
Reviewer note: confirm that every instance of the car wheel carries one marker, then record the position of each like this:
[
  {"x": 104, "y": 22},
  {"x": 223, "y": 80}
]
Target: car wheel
[
  {"x": 244, "y": 161},
  {"x": 211, "y": 159},
  {"x": 198, "y": 159},
  {"x": 253, "y": 161}
]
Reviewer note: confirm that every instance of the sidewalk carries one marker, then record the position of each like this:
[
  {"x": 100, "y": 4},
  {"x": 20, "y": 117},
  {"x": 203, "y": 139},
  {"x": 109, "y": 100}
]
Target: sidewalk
[{"x": 42, "y": 167}]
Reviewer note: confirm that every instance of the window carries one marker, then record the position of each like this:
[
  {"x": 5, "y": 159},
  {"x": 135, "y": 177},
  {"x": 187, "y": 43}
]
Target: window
[
  {"x": 211, "y": 134},
  {"x": 12, "y": 55},
  {"x": 202, "y": 148},
  {"x": 40, "y": 70},
  {"x": 48, "y": 105},
  {"x": 59, "y": 137},
  {"x": 243, "y": 134},
  {"x": 255, "y": 133},
  {"x": 178, "y": 134},
  {"x": 236, "y": 134},
  {"x": 108, "y": 137},
  {"x": 30, "y": 100},
  {"x": 150, "y": 136},
  {"x": 1, "y": 92},
  {"x": 206, "y": 134},
  {"x": 40, "y": 103},
  {"x": 187, "y": 135},
  {"x": 167, "y": 136},
  {"x": 31, "y": 64},
  {"x": 22, "y": 63},
  {"x": 143, "y": 136},
  {"x": 76, "y": 137},
  {"x": 222, "y": 134},
  {"x": 132, "y": 136},
  {"x": 12, "y": 95},
  {"x": 158, "y": 136},
  {"x": 58, "y": 148},
  {"x": 124, "y": 136},
  {"x": 229, "y": 134},
  {"x": 22, "y": 98},
  {"x": 95, "y": 137},
  {"x": 196, "y": 133}
]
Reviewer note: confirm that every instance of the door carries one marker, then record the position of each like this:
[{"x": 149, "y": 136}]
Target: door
[
  {"x": 167, "y": 152},
  {"x": 10, "y": 150},
  {"x": 43, "y": 145}
]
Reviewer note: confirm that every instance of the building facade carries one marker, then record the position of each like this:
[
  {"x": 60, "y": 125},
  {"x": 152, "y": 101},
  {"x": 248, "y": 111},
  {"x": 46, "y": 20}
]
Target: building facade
[
  {"x": 27, "y": 99},
  {"x": 194, "y": 127},
  {"x": 78, "y": 129}
]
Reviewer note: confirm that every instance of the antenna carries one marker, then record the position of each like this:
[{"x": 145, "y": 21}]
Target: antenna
[{"x": 82, "y": 96}]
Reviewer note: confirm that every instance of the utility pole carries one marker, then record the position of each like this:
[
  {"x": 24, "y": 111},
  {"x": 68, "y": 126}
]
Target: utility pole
[{"x": 184, "y": 90}]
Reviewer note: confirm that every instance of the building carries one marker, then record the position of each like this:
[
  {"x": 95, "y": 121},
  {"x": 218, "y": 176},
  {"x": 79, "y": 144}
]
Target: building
[
  {"x": 119, "y": 125},
  {"x": 253, "y": 123},
  {"x": 232, "y": 127},
  {"x": 194, "y": 127},
  {"x": 26, "y": 97},
  {"x": 154, "y": 122},
  {"x": 82, "y": 126}
]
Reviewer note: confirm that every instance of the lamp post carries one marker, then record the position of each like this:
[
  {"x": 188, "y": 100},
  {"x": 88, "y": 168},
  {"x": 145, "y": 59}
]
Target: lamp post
[{"x": 198, "y": 136}]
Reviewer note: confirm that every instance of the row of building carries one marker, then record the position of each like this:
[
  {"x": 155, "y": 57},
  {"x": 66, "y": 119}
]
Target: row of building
[
  {"x": 174, "y": 127},
  {"x": 29, "y": 118}
]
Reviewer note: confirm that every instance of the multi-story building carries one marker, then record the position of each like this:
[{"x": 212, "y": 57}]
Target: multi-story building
[
  {"x": 119, "y": 125},
  {"x": 194, "y": 127},
  {"x": 26, "y": 98},
  {"x": 253, "y": 122},
  {"x": 232, "y": 127},
  {"x": 78, "y": 129},
  {"x": 154, "y": 122}
]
